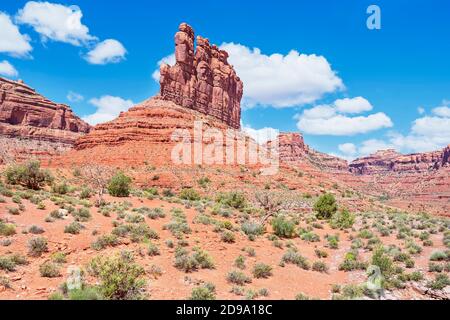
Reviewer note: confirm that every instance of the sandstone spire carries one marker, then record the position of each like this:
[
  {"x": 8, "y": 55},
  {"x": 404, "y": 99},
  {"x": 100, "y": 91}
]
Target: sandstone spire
[{"x": 203, "y": 79}]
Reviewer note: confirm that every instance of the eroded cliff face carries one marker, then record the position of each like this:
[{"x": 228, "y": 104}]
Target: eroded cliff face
[
  {"x": 390, "y": 161},
  {"x": 27, "y": 114},
  {"x": 202, "y": 79},
  {"x": 293, "y": 150}
]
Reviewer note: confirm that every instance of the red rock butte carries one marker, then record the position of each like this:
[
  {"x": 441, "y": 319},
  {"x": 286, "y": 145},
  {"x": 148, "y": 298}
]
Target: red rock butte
[
  {"x": 203, "y": 79},
  {"x": 27, "y": 114}
]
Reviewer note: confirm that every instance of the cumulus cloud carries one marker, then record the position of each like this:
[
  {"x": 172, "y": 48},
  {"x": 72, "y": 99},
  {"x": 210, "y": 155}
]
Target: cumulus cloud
[
  {"x": 74, "y": 97},
  {"x": 7, "y": 69},
  {"x": 443, "y": 111},
  {"x": 108, "y": 108},
  {"x": 261, "y": 135},
  {"x": 108, "y": 51},
  {"x": 281, "y": 80},
  {"x": 278, "y": 80},
  {"x": 55, "y": 22},
  {"x": 353, "y": 105},
  {"x": 170, "y": 60},
  {"x": 332, "y": 119},
  {"x": 348, "y": 149},
  {"x": 11, "y": 40},
  {"x": 421, "y": 110}
]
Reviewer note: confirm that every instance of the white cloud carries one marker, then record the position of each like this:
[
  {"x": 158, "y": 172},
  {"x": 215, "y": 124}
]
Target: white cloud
[
  {"x": 354, "y": 105},
  {"x": 281, "y": 80},
  {"x": 373, "y": 145},
  {"x": 420, "y": 110},
  {"x": 74, "y": 97},
  {"x": 11, "y": 40},
  {"x": 55, "y": 22},
  {"x": 443, "y": 111},
  {"x": 108, "y": 51},
  {"x": 332, "y": 119},
  {"x": 261, "y": 135},
  {"x": 277, "y": 80},
  {"x": 170, "y": 60},
  {"x": 108, "y": 108},
  {"x": 7, "y": 69},
  {"x": 348, "y": 149}
]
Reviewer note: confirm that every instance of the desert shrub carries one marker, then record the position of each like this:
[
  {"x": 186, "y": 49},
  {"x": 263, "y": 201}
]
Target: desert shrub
[
  {"x": 153, "y": 250},
  {"x": 262, "y": 270},
  {"x": 37, "y": 246},
  {"x": 302, "y": 297},
  {"x": 351, "y": 262},
  {"x": 29, "y": 175},
  {"x": 82, "y": 214},
  {"x": 203, "y": 182},
  {"x": 86, "y": 193},
  {"x": 104, "y": 241},
  {"x": 120, "y": 277},
  {"x": 7, "y": 229},
  {"x": 438, "y": 256},
  {"x": 320, "y": 266},
  {"x": 365, "y": 234},
  {"x": 435, "y": 267},
  {"x": 283, "y": 228},
  {"x": 56, "y": 214},
  {"x": 134, "y": 218},
  {"x": 293, "y": 257},
  {"x": 85, "y": 294},
  {"x": 250, "y": 251},
  {"x": 189, "y": 194},
  {"x": 240, "y": 262},
  {"x": 325, "y": 207},
  {"x": 204, "y": 292},
  {"x": 49, "y": 270},
  {"x": 141, "y": 232},
  {"x": 119, "y": 185},
  {"x": 9, "y": 262},
  {"x": 73, "y": 228},
  {"x": 238, "y": 277},
  {"x": 168, "y": 193},
  {"x": 333, "y": 241},
  {"x": 343, "y": 219},
  {"x": 14, "y": 211},
  {"x": 310, "y": 237},
  {"x": 203, "y": 259},
  {"x": 252, "y": 228},
  {"x": 186, "y": 263},
  {"x": 232, "y": 199},
  {"x": 156, "y": 213},
  {"x": 440, "y": 282},
  {"x": 383, "y": 261},
  {"x": 320, "y": 253},
  {"x": 36, "y": 230},
  {"x": 59, "y": 257},
  {"x": 60, "y": 188},
  {"x": 228, "y": 237}
]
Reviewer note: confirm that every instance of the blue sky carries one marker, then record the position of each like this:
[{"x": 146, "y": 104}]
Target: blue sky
[{"x": 395, "y": 71}]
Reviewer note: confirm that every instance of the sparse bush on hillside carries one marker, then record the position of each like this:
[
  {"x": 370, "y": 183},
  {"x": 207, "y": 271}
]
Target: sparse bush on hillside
[
  {"x": 228, "y": 237},
  {"x": 60, "y": 188},
  {"x": 37, "y": 246},
  {"x": 49, "y": 270},
  {"x": 29, "y": 175},
  {"x": 262, "y": 270},
  {"x": 119, "y": 185},
  {"x": 189, "y": 194},
  {"x": 73, "y": 228},
  {"x": 283, "y": 228},
  {"x": 120, "y": 277},
  {"x": 238, "y": 277},
  {"x": 343, "y": 219},
  {"x": 232, "y": 199},
  {"x": 293, "y": 257},
  {"x": 203, "y": 292},
  {"x": 7, "y": 229},
  {"x": 252, "y": 228},
  {"x": 326, "y": 206}
]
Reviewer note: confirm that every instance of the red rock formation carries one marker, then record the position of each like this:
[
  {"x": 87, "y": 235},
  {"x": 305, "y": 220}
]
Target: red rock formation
[
  {"x": 293, "y": 150},
  {"x": 26, "y": 114},
  {"x": 204, "y": 80},
  {"x": 387, "y": 161}
]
